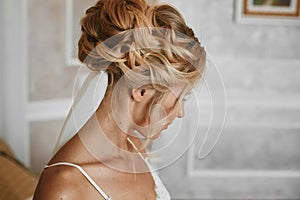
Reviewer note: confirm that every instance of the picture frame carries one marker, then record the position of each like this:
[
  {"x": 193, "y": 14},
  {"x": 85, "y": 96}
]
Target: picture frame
[{"x": 268, "y": 12}]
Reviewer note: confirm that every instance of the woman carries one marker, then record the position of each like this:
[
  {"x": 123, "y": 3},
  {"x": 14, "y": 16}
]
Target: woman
[{"x": 152, "y": 60}]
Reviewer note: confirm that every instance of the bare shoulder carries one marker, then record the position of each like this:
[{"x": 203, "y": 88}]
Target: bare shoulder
[{"x": 59, "y": 182}]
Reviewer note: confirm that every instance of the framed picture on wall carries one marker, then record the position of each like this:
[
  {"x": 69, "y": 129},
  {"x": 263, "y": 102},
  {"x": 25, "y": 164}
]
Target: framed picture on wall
[{"x": 284, "y": 12}]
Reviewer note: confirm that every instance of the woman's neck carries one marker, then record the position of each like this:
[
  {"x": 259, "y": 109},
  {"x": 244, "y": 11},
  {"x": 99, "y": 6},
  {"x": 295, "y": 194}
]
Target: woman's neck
[
  {"x": 110, "y": 127},
  {"x": 105, "y": 135}
]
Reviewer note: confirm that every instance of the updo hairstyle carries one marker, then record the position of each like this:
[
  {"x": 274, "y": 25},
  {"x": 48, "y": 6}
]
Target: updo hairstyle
[{"x": 147, "y": 44}]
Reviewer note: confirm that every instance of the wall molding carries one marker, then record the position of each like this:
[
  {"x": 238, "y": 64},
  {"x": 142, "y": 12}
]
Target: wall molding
[
  {"x": 70, "y": 60},
  {"x": 257, "y": 100},
  {"x": 217, "y": 173},
  {"x": 48, "y": 109},
  {"x": 192, "y": 172}
]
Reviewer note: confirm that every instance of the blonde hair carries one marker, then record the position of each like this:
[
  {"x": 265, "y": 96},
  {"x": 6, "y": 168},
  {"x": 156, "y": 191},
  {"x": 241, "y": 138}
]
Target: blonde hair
[{"x": 151, "y": 46}]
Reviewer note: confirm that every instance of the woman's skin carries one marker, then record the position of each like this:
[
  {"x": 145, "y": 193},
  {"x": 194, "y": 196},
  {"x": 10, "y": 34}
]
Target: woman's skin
[{"x": 109, "y": 145}]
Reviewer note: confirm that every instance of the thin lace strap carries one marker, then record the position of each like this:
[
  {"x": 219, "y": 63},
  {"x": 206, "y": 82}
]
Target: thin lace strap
[
  {"x": 160, "y": 189},
  {"x": 136, "y": 149},
  {"x": 94, "y": 184}
]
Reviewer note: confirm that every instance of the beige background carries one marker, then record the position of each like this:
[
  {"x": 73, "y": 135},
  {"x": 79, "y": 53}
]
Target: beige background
[{"x": 257, "y": 155}]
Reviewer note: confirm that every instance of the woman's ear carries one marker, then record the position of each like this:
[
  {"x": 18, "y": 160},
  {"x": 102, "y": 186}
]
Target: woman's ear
[{"x": 142, "y": 94}]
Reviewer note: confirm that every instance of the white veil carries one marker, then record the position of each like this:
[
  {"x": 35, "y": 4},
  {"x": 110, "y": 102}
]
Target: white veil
[
  {"x": 85, "y": 103},
  {"x": 180, "y": 135}
]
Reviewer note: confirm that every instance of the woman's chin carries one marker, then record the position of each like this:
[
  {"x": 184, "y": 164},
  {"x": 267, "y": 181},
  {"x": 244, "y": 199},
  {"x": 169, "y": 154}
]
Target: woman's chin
[{"x": 157, "y": 134}]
